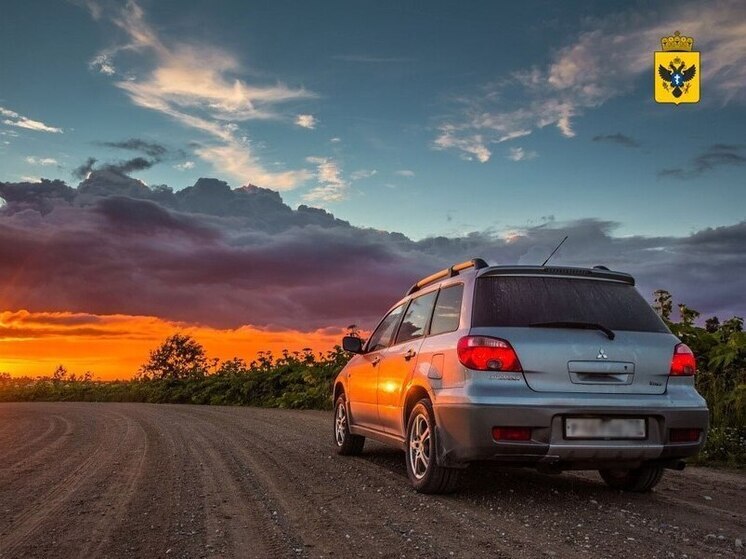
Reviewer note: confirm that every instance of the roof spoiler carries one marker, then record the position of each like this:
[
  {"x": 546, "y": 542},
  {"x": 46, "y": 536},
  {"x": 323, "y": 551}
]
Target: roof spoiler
[
  {"x": 601, "y": 272},
  {"x": 476, "y": 263}
]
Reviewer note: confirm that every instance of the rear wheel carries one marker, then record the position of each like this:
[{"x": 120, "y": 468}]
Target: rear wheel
[
  {"x": 347, "y": 443},
  {"x": 638, "y": 480},
  {"x": 424, "y": 473}
]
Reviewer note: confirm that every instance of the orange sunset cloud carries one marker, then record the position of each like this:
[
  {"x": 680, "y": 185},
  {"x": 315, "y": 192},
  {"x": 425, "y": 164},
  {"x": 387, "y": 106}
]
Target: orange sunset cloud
[{"x": 114, "y": 346}]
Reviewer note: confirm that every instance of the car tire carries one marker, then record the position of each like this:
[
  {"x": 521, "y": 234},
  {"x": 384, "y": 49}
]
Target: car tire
[
  {"x": 638, "y": 480},
  {"x": 424, "y": 473},
  {"x": 347, "y": 443}
]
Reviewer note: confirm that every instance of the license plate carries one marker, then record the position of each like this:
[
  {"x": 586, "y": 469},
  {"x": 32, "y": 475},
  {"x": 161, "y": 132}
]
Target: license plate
[{"x": 604, "y": 428}]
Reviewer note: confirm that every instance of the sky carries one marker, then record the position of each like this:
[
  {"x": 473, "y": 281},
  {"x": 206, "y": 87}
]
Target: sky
[{"x": 265, "y": 174}]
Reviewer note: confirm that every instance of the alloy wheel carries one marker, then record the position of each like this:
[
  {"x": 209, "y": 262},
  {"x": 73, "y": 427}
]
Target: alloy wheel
[{"x": 419, "y": 446}]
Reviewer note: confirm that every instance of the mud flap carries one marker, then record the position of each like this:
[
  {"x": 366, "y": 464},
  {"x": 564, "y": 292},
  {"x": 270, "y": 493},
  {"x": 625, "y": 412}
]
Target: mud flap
[{"x": 443, "y": 454}]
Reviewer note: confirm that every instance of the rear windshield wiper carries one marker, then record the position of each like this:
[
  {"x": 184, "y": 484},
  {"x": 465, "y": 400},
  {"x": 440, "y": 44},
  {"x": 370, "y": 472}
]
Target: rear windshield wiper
[{"x": 580, "y": 325}]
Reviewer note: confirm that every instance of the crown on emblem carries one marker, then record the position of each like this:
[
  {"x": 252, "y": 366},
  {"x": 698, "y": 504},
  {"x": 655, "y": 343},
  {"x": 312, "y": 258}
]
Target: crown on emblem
[{"x": 677, "y": 43}]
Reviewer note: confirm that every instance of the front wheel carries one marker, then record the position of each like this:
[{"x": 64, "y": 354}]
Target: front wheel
[
  {"x": 347, "y": 443},
  {"x": 637, "y": 480},
  {"x": 423, "y": 471}
]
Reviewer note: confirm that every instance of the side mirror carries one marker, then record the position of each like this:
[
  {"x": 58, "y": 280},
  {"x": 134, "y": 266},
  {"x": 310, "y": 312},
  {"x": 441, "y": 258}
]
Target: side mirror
[{"x": 353, "y": 344}]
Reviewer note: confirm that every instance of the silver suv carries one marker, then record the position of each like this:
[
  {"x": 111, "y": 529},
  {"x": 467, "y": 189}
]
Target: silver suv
[{"x": 552, "y": 367}]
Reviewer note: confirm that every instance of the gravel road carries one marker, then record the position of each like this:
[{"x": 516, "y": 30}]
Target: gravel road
[{"x": 139, "y": 480}]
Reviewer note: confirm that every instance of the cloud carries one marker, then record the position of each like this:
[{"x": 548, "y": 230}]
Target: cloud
[
  {"x": 619, "y": 139},
  {"x": 128, "y": 166},
  {"x": 152, "y": 149},
  {"x": 363, "y": 174},
  {"x": 103, "y": 63},
  {"x": 222, "y": 257},
  {"x": 335, "y": 140},
  {"x": 114, "y": 346},
  {"x": 471, "y": 146},
  {"x": 84, "y": 169},
  {"x": 19, "y": 121},
  {"x": 404, "y": 173},
  {"x": 332, "y": 186},
  {"x": 717, "y": 155},
  {"x": 576, "y": 79},
  {"x": 42, "y": 161},
  {"x": 122, "y": 167},
  {"x": 306, "y": 121},
  {"x": 198, "y": 86},
  {"x": 185, "y": 166},
  {"x": 520, "y": 154}
]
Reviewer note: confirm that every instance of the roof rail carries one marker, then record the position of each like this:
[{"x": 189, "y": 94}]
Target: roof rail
[{"x": 476, "y": 263}]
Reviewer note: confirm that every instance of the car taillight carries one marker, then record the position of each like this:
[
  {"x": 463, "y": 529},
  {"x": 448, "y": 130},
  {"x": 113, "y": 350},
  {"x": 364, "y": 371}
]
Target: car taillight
[
  {"x": 684, "y": 435},
  {"x": 683, "y": 362},
  {"x": 488, "y": 354},
  {"x": 511, "y": 433}
]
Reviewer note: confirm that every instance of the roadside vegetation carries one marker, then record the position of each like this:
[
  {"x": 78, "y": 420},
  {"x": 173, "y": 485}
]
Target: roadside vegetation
[{"x": 180, "y": 372}]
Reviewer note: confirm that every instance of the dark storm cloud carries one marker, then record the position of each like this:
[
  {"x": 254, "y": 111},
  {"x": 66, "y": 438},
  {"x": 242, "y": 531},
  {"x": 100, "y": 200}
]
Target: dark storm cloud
[
  {"x": 152, "y": 153},
  {"x": 130, "y": 165},
  {"x": 717, "y": 155},
  {"x": 38, "y": 196},
  {"x": 225, "y": 257},
  {"x": 619, "y": 139},
  {"x": 123, "y": 167},
  {"x": 151, "y": 149},
  {"x": 84, "y": 169}
]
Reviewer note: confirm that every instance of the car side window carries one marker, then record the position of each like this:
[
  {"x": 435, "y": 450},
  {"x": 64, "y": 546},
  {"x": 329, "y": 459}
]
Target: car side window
[
  {"x": 414, "y": 324},
  {"x": 383, "y": 335},
  {"x": 447, "y": 314}
]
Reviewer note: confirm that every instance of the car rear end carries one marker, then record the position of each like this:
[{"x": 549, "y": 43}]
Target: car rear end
[{"x": 569, "y": 369}]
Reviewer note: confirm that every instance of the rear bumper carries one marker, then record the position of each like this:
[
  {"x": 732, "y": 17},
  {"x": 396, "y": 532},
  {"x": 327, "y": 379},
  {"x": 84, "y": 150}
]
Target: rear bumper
[{"x": 465, "y": 432}]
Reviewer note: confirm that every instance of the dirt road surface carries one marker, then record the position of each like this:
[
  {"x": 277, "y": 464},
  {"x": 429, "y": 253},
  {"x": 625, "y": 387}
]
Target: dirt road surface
[{"x": 138, "y": 480}]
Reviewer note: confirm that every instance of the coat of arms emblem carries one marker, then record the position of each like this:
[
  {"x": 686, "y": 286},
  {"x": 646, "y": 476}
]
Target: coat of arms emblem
[{"x": 677, "y": 71}]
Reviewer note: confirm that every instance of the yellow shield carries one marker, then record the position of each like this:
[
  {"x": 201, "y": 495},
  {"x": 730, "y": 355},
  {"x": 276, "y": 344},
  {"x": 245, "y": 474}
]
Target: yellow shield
[{"x": 677, "y": 77}]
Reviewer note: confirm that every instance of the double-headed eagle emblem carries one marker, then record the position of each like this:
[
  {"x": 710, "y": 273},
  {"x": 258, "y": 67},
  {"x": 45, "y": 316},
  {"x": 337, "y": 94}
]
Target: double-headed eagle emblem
[
  {"x": 677, "y": 71},
  {"x": 675, "y": 77}
]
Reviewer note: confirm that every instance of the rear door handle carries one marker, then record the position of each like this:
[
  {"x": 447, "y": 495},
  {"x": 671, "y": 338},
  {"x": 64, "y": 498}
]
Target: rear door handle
[
  {"x": 411, "y": 353},
  {"x": 375, "y": 360}
]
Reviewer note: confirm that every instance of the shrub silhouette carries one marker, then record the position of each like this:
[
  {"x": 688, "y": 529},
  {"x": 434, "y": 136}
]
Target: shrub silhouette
[{"x": 179, "y": 357}]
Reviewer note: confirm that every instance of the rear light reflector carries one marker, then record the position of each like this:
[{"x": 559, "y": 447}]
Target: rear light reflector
[
  {"x": 488, "y": 354},
  {"x": 511, "y": 433},
  {"x": 683, "y": 362},
  {"x": 684, "y": 435}
]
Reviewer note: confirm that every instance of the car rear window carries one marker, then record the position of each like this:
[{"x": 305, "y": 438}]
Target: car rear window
[{"x": 525, "y": 300}]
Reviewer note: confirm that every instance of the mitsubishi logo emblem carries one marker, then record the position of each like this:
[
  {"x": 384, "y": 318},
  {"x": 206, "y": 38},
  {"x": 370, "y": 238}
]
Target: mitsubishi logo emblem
[{"x": 602, "y": 354}]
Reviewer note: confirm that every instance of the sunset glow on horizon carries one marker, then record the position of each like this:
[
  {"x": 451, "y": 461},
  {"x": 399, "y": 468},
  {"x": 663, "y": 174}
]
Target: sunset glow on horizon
[{"x": 114, "y": 346}]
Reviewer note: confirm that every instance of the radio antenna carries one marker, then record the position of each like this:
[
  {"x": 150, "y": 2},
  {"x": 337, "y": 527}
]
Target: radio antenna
[{"x": 555, "y": 250}]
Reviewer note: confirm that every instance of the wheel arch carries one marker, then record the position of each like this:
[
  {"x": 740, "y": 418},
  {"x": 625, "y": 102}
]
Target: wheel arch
[
  {"x": 415, "y": 393},
  {"x": 339, "y": 389}
]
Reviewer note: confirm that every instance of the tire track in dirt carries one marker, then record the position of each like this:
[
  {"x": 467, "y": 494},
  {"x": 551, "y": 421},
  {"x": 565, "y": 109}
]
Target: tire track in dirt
[
  {"x": 58, "y": 427},
  {"x": 165, "y": 515},
  {"x": 359, "y": 522},
  {"x": 130, "y": 454},
  {"x": 245, "y": 516},
  {"x": 135, "y": 480},
  {"x": 50, "y": 502}
]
